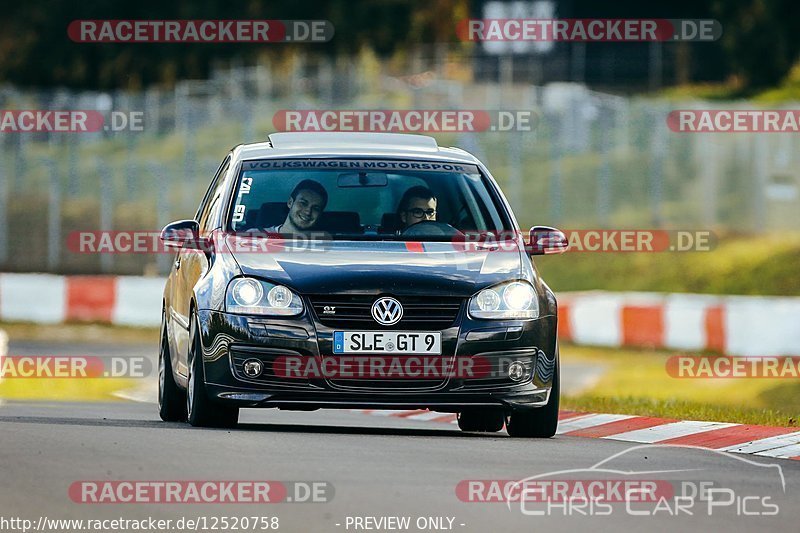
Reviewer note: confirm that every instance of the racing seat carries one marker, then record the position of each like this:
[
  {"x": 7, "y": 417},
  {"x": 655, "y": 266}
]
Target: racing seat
[
  {"x": 390, "y": 223},
  {"x": 269, "y": 214},
  {"x": 274, "y": 213},
  {"x": 339, "y": 222}
]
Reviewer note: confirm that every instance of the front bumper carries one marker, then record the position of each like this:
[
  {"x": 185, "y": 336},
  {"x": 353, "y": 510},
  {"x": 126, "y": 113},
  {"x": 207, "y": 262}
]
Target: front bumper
[{"x": 229, "y": 339}]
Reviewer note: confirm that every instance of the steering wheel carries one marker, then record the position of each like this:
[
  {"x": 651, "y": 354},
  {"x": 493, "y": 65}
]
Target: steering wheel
[{"x": 431, "y": 228}]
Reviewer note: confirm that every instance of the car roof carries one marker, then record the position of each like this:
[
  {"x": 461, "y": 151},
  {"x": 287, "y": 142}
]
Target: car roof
[{"x": 356, "y": 144}]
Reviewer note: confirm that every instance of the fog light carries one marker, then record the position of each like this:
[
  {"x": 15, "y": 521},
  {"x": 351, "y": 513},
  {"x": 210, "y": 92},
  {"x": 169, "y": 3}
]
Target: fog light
[
  {"x": 252, "y": 368},
  {"x": 516, "y": 371}
]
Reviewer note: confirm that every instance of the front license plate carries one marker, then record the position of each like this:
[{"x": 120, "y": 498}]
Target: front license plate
[{"x": 395, "y": 342}]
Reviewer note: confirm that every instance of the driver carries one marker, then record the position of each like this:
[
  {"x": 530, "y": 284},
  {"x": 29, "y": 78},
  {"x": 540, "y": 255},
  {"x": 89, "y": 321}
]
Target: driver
[
  {"x": 306, "y": 203},
  {"x": 417, "y": 205}
]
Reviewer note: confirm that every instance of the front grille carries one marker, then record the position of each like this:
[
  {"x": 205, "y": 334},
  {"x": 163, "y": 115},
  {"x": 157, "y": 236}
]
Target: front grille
[
  {"x": 426, "y": 313},
  {"x": 378, "y": 385}
]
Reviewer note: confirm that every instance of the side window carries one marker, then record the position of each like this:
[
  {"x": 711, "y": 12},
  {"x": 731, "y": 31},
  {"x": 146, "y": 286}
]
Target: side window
[{"x": 212, "y": 198}]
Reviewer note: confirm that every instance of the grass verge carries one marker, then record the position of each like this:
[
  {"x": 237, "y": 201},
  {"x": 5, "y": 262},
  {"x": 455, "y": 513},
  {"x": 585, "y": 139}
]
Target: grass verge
[
  {"x": 764, "y": 265},
  {"x": 636, "y": 382},
  {"x": 64, "y": 390},
  {"x": 88, "y": 333}
]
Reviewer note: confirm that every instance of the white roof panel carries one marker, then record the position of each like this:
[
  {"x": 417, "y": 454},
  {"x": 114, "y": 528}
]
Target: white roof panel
[
  {"x": 340, "y": 144},
  {"x": 334, "y": 140}
]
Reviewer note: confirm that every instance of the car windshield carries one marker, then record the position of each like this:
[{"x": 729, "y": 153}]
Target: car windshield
[{"x": 345, "y": 199}]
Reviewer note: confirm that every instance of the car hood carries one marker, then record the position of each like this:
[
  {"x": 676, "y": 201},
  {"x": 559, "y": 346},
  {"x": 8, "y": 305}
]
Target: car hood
[{"x": 376, "y": 267}]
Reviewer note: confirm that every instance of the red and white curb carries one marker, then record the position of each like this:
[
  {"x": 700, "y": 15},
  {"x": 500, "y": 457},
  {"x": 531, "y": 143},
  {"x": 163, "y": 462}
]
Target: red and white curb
[{"x": 777, "y": 442}]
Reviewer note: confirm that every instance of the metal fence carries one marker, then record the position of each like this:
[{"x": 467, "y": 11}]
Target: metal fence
[{"x": 592, "y": 160}]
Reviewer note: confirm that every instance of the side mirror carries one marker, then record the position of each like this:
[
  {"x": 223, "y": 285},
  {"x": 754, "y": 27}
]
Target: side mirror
[
  {"x": 183, "y": 233},
  {"x": 545, "y": 240}
]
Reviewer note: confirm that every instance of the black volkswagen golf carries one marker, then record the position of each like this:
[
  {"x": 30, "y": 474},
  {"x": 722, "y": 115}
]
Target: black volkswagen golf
[{"x": 355, "y": 270}]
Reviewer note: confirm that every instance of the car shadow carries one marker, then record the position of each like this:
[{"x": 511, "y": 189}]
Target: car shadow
[{"x": 250, "y": 427}]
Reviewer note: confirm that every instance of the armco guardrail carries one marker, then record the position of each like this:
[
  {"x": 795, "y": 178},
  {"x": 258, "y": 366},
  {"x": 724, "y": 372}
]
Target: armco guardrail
[
  {"x": 735, "y": 325},
  {"x": 50, "y": 299}
]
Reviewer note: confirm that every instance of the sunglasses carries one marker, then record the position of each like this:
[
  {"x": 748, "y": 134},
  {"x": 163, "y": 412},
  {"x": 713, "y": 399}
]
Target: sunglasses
[{"x": 419, "y": 213}]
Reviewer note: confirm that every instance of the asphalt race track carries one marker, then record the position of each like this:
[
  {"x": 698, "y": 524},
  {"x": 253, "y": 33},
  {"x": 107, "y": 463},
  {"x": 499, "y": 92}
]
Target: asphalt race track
[{"x": 377, "y": 466}]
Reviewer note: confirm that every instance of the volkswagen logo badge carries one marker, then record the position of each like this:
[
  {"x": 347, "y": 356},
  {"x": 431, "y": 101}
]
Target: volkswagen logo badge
[{"x": 387, "y": 311}]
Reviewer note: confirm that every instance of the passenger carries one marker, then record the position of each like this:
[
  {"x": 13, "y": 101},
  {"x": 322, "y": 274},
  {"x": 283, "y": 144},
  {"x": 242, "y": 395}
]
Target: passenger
[
  {"x": 417, "y": 205},
  {"x": 305, "y": 203}
]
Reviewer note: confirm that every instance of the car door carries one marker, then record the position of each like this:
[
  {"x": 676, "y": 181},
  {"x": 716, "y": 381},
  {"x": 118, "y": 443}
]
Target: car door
[{"x": 191, "y": 265}]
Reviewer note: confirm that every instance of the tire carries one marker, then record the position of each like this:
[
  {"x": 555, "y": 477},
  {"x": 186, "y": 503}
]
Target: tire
[
  {"x": 171, "y": 399},
  {"x": 541, "y": 422},
  {"x": 483, "y": 420},
  {"x": 201, "y": 411}
]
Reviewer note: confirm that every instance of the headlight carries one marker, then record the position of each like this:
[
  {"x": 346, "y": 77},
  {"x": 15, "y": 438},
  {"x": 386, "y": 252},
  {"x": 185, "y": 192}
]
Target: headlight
[
  {"x": 246, "y": 292},
  {"x": 509, "y": 300},
  {"x": 254, "y": 297}
]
